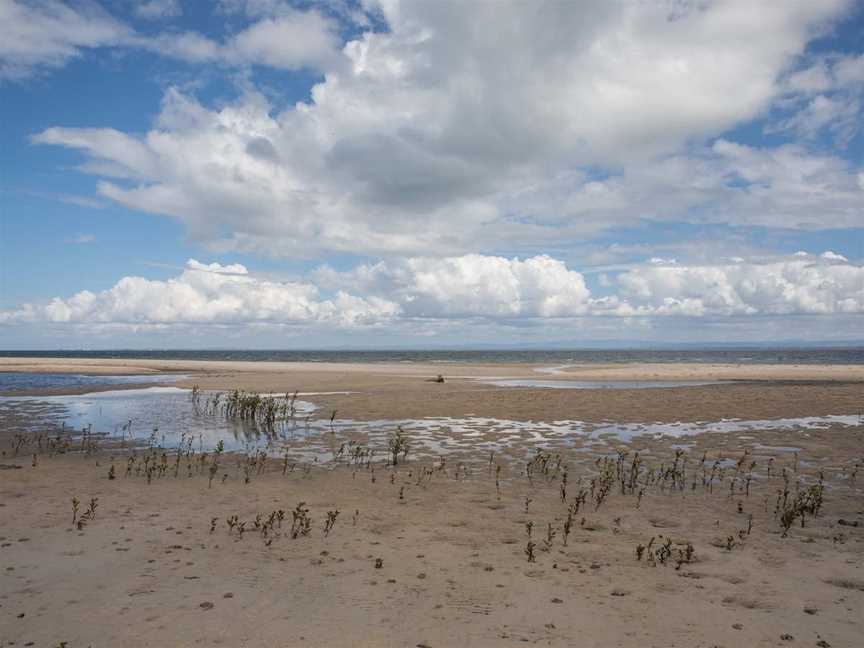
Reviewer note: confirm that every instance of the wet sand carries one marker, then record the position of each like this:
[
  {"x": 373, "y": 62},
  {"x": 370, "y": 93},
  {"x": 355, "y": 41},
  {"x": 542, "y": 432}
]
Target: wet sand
[{"x": 451, "y": 534}]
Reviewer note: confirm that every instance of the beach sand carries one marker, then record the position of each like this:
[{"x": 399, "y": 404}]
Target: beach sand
[{"x": 451, "y": 535}]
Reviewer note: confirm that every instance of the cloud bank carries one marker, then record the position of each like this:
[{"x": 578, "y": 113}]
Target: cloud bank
[{"x": 496, "y": 289}]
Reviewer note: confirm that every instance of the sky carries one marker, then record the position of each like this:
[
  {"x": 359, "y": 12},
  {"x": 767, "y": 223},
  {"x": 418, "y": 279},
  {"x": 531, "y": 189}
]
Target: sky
[{"x": 380, "y": 173}]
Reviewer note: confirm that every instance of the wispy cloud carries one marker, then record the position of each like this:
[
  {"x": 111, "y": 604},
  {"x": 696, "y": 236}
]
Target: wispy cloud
[
  {"x": 158, "y": 9},
  {"x": 39, "y": 37},
  {"x": 78, "y": 200}
]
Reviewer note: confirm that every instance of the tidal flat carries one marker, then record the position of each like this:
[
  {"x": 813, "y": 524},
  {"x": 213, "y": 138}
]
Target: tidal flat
[{"x": 370, "y": 505}]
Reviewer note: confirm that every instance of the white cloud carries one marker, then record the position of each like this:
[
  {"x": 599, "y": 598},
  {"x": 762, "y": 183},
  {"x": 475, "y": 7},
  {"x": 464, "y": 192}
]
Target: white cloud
[
  {"x": 828, "y": 284},
  {"x": 47, "y": 34},
  {"x": 83, "y": 238},
  {"x": 437, "y": 137},
  {"x": 158, "y": 9},
  {"x": 825, "y": 95},
  {"x": 470, "y": 285},
  {"x": 488, "y": 289},
  {"x": 290, "y": 41},
  {"x": 207, "y": 294},
  {"x": 826, "y": 73},
  {"x": 785, "y": 187}
]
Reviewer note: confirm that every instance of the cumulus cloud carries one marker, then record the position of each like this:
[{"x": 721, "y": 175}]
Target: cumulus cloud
[
  {"x": 480, "y": 288},
  {"x": 471, "y": 285},
  {"x": 478, "y": 126},
  {"x": 207, "y": 294},
  {"x": 822, "y": 285}
]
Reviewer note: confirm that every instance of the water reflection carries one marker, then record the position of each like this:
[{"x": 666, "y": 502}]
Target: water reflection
[
  {"x": 20, "y": 381},
  {"x": 165, "y": 416}
]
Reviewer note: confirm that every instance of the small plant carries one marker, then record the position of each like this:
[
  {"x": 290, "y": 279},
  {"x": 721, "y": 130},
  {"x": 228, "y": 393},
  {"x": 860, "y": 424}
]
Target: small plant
[
  {"x": 664, "y": 552},
  {"x": 232, "y": 523},
  {"x": 89, "y": 515},
  {"x": 397, "y": 445},
  {"x": 806, "y": 501},
  {"x": 568, "y": 525},
  {"x": 302, "y": 523},
  {"x": 551, "y": 532},
  {"x": 684, "y": 556},
  {"x": 111, "y": 474},
  {"x": 564, "y": 486},
  {"x": 529, "y": 551},
  {"x": 330, "y": 521},
  {"x": 75, "y": 504}
]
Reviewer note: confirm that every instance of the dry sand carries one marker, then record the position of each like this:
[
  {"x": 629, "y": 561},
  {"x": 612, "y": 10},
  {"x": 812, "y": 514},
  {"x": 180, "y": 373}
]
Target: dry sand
[{"x": 147, "y": 571}]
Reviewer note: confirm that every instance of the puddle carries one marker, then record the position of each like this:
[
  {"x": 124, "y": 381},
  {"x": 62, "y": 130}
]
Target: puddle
[
  {"x": 25, "y": 381},
  {"x": 157, "y": 415},
  {"x": 773, "y": 448},
  {"x": 165, "y": 416}
]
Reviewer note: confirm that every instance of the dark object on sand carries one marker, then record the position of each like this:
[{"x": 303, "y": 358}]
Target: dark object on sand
[
  {"x": 852, "y": 523},
  {"x": 438, "y": 379}
]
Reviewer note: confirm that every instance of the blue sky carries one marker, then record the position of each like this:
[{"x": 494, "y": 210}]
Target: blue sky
[{"x": 265, "y": 173}]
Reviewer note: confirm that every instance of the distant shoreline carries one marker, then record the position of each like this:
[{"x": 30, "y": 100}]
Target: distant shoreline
[{"x": 829, "y": 355}]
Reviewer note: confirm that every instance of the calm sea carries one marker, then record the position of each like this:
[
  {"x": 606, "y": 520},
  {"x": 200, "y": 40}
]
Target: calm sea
[{"x": 852, "y": 355}]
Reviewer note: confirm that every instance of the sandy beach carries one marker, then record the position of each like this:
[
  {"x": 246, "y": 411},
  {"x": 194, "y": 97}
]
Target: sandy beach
[{"x": 554, "y": 540}]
